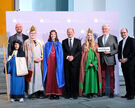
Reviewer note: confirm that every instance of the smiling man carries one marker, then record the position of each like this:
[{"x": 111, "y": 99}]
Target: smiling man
[{"x": 17, "y": 36}]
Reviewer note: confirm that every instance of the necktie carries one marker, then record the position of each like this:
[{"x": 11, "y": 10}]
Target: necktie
[{"x": 70, "y": 44}]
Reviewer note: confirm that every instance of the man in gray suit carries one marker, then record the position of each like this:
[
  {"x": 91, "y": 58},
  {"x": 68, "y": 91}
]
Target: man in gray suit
[
  {"x": 18, "y": 36},
  {"x": 108, "y": 57}
]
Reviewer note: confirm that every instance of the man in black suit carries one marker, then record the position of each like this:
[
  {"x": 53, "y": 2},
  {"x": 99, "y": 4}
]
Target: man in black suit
[
  {"x": 18, "y": 36},
  {"x": 126, "y": 55},
  {"x": 72, "y": 56}
]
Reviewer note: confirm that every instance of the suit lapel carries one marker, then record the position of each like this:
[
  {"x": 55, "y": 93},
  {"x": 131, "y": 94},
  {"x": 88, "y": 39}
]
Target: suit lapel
[
  {"x": 102, "y": 40},
  {"x": 67, "y": 44}
]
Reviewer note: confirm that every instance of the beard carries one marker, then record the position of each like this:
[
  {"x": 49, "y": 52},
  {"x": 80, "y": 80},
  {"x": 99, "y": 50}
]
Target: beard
[{"x": 19, "y": 31}]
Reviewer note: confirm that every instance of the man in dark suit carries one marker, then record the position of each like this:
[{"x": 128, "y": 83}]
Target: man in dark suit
[
  {"x": 108, "y": 57},
  {"x": 18, "y": 36},
  {"x": 72, "y": 56},
  {"x": 126, "y": 55}
]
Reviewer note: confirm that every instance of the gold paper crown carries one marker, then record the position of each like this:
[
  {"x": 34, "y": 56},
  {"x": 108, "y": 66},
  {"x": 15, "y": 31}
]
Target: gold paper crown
[
  {"x": 90, "y": 31},
  {"x": 32, "y": 28}
]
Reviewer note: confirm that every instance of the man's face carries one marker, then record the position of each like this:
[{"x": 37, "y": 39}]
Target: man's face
[
  {"x": 124, "y": 33},
  {"x": 18, "y": 28},
  {"x": 105, "y": 30},
  {"x": 70, "y": 33}
]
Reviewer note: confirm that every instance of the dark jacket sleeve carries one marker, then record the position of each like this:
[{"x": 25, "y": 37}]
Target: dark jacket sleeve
[
  {"x": 132, "y": 49},
  {"x": 9, "y": 45}
]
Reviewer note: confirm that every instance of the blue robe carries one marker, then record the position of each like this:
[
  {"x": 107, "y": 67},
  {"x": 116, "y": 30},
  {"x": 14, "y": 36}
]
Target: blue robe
[
  {"x": 59, "y": 62},
  {"x": 17, "y": 83}
]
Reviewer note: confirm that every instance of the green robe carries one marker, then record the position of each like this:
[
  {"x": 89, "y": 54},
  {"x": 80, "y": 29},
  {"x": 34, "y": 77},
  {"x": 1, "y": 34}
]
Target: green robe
[{"x": 91, "y": 78}]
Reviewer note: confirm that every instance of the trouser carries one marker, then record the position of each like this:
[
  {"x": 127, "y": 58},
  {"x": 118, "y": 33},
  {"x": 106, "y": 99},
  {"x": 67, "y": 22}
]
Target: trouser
[{"x": 112, "y": 80}]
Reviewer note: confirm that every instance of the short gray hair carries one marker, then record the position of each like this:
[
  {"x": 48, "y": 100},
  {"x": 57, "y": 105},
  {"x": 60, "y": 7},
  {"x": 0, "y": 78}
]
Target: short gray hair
[{"x": 106, "y": 25}]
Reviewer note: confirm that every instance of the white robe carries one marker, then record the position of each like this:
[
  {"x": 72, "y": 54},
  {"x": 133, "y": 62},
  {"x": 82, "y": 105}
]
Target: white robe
[{"x": 36, "y": 80}]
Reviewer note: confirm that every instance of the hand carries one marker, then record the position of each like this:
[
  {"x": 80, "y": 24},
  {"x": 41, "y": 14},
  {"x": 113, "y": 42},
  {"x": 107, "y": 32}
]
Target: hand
[
  {"x": 37, "y": 60},
  {"x": 124, "y": 60},
  {"x": 91, "y": 65},
  {"x": 70, "y": 58},
  {"x": 4, "y": 61},
  {"x": 107, "y": 52}
]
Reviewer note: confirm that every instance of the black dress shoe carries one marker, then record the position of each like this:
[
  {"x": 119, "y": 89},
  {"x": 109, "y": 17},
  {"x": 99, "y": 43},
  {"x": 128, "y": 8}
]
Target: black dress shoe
[
  {"x": 56, "y": 97},
  {"x": 67, "y": 97},
  {"x": 111, "y": 95},
  {"x": 103, "y": 94},
  {"x": 130, "y": 97},
  {"x": 126, "y": 96},
  {"x": 51, "y": 97},
  {"x": 75, "y": 97}
]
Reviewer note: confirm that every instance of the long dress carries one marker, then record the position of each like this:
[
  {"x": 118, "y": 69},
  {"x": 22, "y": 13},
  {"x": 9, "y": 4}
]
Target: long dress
[
  {"x": 36, "y": 84},
  {"x": 51, "y": 82},
  {"x": 17, "y": 83},
  {"x": 82, "y": 71},
  {"x": 91, "y": 73}
]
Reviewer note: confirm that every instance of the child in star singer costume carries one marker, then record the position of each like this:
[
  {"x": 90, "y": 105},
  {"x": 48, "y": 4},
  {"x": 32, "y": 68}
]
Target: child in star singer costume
[
  {"x": 17, "y": 82},
  {"x": 90, "y": 82}
]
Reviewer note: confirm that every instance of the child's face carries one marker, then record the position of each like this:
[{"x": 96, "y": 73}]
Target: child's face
[{"x": 16, "y": 46}]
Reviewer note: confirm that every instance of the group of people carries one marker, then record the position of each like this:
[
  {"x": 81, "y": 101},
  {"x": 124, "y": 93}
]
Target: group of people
[{"x": 69, "y": 69}]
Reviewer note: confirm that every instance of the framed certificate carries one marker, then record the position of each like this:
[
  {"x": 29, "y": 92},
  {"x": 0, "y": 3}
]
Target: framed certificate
[{"x": 103, "y": 49}]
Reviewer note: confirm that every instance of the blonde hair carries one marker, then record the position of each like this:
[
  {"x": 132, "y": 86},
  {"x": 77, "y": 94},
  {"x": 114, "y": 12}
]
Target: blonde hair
[{"x": 89, "y": 43}]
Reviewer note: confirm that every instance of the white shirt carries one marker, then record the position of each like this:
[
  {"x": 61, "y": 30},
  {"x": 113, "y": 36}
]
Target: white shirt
[
  {"x": 123, "y": 44},
  {"x": 72, "y": 41},
  {"x": 105, "y": 40}
]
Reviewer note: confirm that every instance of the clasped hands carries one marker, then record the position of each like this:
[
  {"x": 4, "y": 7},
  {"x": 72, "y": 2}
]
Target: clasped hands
[
  {"x": 70, "y": 58},
  {"x": 107, "y": 52},
  {"x": 124, "y": 60},
  {"x": 37, "y": 60}
]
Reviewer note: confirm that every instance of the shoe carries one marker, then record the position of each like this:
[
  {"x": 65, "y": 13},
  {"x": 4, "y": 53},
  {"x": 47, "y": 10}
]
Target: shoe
[
  {"x": 51, "y": 97},
  {"x": 88, "y": 96},
  {"x": 103, "y": 94},
  {"x": 75, "y": 97},
  {"x": 57, "y": 97},
  {"x": 111, "y": 95},
  {"x": 130, "y": 97},
  {"x": 21, "y": 100},
  {"x": 67, "y": 97},
  {"x": 126, "y": 96},
  {"x": 12, "y": 100}
]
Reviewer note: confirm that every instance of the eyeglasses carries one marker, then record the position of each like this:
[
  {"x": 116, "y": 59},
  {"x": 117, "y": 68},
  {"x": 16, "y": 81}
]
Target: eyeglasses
[{"x": 123, "y": 32}]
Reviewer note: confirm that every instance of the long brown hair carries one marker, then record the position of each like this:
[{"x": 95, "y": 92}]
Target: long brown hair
[{"x": 50, "y": 39}]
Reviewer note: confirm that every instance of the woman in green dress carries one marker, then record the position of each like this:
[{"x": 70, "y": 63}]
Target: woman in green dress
[{"x": 90, "y": 72}]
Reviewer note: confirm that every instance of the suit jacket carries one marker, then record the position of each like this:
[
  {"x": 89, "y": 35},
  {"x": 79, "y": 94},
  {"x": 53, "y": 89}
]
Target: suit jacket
[
  {"x": 111, "y": 42},
  {"x": 128, "y": 51},
  {"x": 12, "y": 39},
  {"x": 75, "y": 52}
]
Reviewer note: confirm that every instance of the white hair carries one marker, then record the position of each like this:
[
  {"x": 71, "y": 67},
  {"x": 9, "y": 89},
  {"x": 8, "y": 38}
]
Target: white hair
[{"x": 106, "y": 25}]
